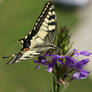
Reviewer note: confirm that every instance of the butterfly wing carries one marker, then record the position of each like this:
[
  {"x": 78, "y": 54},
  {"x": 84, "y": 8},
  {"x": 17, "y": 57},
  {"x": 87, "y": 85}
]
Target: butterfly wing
[
  {"x": 41, "y": 37},
  {"x": 44, "y": 28},
  {"x": 46, "y": 25}
]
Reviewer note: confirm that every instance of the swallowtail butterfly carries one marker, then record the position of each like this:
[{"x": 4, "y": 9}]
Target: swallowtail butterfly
[{"x": 41, "y": 37}]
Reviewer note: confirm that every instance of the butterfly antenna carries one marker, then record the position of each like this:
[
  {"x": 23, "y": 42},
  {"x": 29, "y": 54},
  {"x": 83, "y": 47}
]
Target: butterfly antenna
[{"x": 8, "y": 56}]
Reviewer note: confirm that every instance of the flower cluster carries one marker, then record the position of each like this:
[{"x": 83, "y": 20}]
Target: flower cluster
[{"x": 67, "y": 64}]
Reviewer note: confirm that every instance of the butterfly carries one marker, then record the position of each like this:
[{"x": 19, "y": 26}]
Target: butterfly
[{"x": 41, "y": 37}]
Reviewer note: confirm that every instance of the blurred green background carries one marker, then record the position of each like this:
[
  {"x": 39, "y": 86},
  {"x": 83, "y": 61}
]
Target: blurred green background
[{"x": 17, "y": 17}]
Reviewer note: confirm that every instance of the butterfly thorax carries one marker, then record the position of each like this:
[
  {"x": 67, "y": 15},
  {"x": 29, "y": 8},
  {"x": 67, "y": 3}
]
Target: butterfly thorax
[
  {"x": 26, "y": 44},
  {"x": 27, "y": 40}
]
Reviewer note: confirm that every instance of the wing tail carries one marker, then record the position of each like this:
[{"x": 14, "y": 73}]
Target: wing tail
[{"x": 15, "y": 58}]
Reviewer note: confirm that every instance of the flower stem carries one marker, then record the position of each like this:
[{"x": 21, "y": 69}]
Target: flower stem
[{"x": 56, "y": 87}]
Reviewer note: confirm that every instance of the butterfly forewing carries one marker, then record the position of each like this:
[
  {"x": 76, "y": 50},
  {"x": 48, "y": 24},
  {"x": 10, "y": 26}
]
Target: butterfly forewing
[{"x": 46, "y": 33}]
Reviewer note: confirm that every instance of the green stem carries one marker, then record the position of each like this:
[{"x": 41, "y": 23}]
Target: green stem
[{"x": 56, "y": 87}]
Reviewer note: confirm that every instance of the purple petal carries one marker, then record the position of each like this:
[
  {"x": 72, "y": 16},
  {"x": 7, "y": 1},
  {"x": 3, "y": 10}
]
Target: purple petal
[
  {"x": 69, "y": 61},
  {"x": 54, "y": 57},
  {"x": 36, "y": 61},
  {"x": 47, "y": 55},
  {"x": 57, "y": 56},
  {"x": 60, "y": 61},
  {"x": 41, "y": 57},
  {"x": 76, "y": 75},
  {"x": 43, "y": 61},
  {"x": 83, "y": 74},
  {"x": 38, "y": 66},
  {"x": 54, "y": 60},
  {"x": 49, "y": 69},
  {"x": 50, "y": 66},
  {"x": 85, "y": 53},
  {"x": 81, "y": 63},
  {"x": 76, "y": 52},
  {"x": 80, "y": 75}
]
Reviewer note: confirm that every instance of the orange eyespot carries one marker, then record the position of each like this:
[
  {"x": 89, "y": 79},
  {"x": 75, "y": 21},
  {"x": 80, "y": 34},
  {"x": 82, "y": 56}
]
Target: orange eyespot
[{"x": 26, "y": 49}]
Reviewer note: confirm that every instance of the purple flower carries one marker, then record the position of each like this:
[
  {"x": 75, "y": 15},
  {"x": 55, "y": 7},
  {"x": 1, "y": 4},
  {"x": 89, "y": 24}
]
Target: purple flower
[
  {"x": 41, "y": 60},
  {"x": 57, "y": 58},
  {"x": 72, "y": 63},
  {"x": 79, "y": 65},
  {"x": 76, "y": 66},
  {"x": 49, "y": 67},
  {"x": 54, "y": 60},
  {"x": 84, "y": 53},
  {"x": 48, "y": 60},
  {"x": 76, "y": 52},
  {"x": 67, "y": 63},
  {"x": 80, "y": 75},
  {"x": 51, "y": 64}
]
